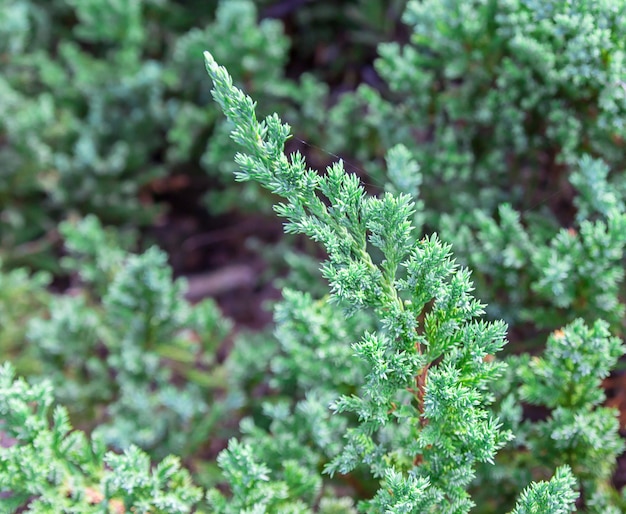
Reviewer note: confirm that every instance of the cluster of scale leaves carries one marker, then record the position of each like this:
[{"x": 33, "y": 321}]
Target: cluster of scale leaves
[
  {"x": 422, "y": 446},
  {"x": 515, "y": 112}
]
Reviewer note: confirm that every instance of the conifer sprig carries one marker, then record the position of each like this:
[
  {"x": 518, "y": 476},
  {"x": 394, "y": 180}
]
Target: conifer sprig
[{"x": 423, "y": 414}]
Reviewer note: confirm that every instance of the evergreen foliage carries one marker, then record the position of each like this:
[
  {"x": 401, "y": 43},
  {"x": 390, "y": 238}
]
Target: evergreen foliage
[
  {"x": 116, "y": 349},
  {"x": 578, "y": 431},
  {"x": 98, "y": 102},
  {"x": 22, "y": 296},
  {"x": 510, "y": 108},
  {"x": 46, "y": 467},
  {"x": 422, "y": 420},
  {"x": 558, "y": 273},
  {"x": 498, "y": 130}
]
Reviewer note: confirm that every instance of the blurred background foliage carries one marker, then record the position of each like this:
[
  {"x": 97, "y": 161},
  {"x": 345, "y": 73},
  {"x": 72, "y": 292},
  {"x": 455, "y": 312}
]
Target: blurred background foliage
[{"x": 104, "y": 110}]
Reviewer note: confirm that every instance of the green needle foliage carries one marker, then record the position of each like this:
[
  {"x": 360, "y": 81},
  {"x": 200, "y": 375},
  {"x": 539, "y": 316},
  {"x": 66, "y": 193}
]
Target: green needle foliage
[
  {"x": 579, "y": 431},
  {"x": 46, "y": 467},
  {"x": 99, "y": 102},
  {"x": 423, "y": 414},
  {"x": 126, "y": 351},
  {"x": 554, "y": 496},
  {"x": 551, "y": 275},
  {"x": 383, "y": 396},
  {"x": 515, "y": 112},
  {"x": 567, "y": 380}
]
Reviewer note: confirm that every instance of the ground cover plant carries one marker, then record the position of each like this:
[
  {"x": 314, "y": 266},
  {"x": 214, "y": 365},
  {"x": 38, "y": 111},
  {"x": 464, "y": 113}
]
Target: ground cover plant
[
  {"x": 486, "y": 165},
  {"x": 423, "y": 417},
  {"x": 384, "y": 396}
]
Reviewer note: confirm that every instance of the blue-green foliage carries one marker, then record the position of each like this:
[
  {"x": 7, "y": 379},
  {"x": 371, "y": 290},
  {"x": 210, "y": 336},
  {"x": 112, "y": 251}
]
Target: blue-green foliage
[
  {"x": 257, "y": 52},
  {"x": 515, "y": 113},
  {"x": 78, "y": 127},
  {"x": 551, "y": 275},
  {"x": 99, "y": 100},
  {"x": 507, "y": 88},
  {"x": 45, "y": 466},
  {"x": 580, "y": 432},
  {"x": 21, "y": 297},
  {"x": 302, "y": 369},
  {"x": 384, "y": 396},
  {"x": 126, "y": 351},
  {"x": 554, "y": 496},
  {"x": 423, "y": 417},
  {"x": 563, "y": 387}
]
